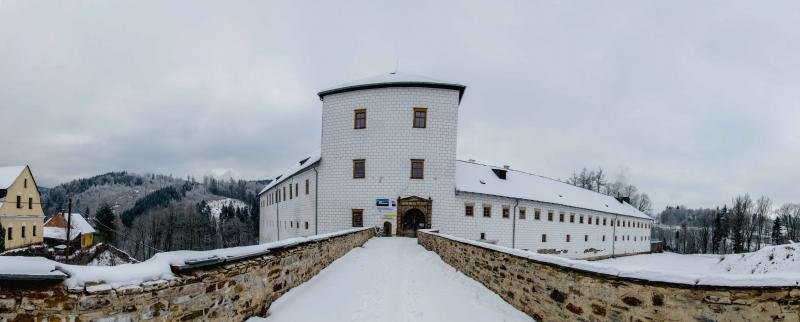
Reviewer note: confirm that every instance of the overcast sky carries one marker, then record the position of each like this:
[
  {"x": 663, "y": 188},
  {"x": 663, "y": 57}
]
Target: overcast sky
[{"x": 694, "y": 101}]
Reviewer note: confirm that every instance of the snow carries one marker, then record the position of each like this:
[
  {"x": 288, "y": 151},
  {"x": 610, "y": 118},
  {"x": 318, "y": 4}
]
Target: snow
[
  {"x": 9, "y": 174},
  {"x": 391, "y": 279},
  {"x": 156, "y": 268},
  {"x": 390, "y": 78},
  {"x": 479, "y": 178},
  {"x": 672, "y": 268},
  {"x": 216, "y": 205},
  {"x": 107, "y": 258},
  {"x": 297, "y": 167}
]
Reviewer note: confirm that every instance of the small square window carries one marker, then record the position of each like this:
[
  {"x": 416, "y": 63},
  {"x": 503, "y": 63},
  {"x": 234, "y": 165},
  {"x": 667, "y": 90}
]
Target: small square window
[
  {"x": 420, "y": 117},
  {"x": 483, "y": 236},
  {"x": 572, "y": 218},
  {"x": 487, "y": 210},
  {"x": 550, "y": 215},
  {"x": 360, "y": 119},
  {"x": 417, "y": 169},
  {"x": 506, "y": 212},
  {"x": 561, "y": 217},
  {"x": 537, "y": 214},
  {"x": 469, "y": 210},
  {"x": 544, "y": 238},
  {"x": 359, "y": 169}
]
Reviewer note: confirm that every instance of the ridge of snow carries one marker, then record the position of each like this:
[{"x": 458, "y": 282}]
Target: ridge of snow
[
  {"x": 633, "y": 267},
  {"x": 156, "y": 268}
]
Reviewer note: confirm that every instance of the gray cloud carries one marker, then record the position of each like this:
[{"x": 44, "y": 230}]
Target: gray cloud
[{"x": 695, "y": 101}]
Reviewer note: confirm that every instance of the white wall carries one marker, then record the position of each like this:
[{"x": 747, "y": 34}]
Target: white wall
[
  {"x": 288, "y": 218},
  {"x": 387, "y": 144},
  {"x": 529, "y": 230}
]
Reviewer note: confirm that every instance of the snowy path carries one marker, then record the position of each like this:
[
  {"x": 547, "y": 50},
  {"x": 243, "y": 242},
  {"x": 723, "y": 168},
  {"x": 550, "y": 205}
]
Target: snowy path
[{"x": 391, "y": 279}]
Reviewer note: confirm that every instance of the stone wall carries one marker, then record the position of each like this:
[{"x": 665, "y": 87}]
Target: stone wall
[
  {"x": 549, "y": 292},
  {"x": 230, "y": 292}
]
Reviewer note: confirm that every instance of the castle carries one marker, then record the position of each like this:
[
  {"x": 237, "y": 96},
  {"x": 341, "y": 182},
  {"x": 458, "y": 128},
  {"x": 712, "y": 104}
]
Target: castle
[{"x": 388, "y": 160}]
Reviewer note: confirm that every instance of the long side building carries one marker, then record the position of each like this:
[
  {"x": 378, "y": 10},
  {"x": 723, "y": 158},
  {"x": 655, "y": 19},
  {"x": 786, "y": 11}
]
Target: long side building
[{"x": 388, "y": 160}]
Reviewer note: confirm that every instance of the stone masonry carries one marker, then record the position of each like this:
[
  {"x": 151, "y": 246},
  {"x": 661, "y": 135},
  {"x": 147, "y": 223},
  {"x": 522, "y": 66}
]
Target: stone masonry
[
  {"x": 549, "y": 292},
  {"x": 230, "y": 292}
]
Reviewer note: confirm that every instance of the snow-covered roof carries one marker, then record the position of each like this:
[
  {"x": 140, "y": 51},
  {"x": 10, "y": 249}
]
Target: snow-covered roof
[
  {"x": 394, "y": 79},
  {"x": 301, "y": 165},
  {"x": 9, "y": 174},
  {"x": 481, "y": 178},
  {"x": 79, "y": 226}
]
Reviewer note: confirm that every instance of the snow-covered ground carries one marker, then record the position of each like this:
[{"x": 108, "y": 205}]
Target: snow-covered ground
[
  {"x": 391, "y": 279},
  {"x": 216, "y": 205},
  {"x": 770, "y": 260}
]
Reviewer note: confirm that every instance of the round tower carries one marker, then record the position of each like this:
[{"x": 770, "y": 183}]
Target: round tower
[{"x": 388, "y": 152}]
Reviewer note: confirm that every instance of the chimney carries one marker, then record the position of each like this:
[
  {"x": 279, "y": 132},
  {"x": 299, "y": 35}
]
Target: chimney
[{"x": 506, "y": 167}]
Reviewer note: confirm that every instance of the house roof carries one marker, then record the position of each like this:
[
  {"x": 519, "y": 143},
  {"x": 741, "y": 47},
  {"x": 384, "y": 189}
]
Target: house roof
[
  {"x": 56, "y": 226},
  {"x": 394, "y": 79},
  {"x": 9, "y": 174},
  {"x": 301, "y": 165},
  {"x": 485, "y": 179}
]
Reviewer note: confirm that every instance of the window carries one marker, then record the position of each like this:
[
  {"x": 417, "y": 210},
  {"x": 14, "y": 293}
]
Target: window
[
  {"x": 586, "y": 238},
  {"x": 420, "y": 118},
  {"x": 25, "y": 183},
  {"x": 522, "y": 213},
  {"x": 604, "y": 237},
  {"x": 291, "y": 224},
  {"x": 506, "y": 211},
  {"x": 572, "y": 218},
  {"x": 417, "y": 169},
  {"x": 561, "y": 217},
  {"x": 597, "y": 221},
  {"x": 589, "y": 222},
  {"x": 360, "y": 119},
  {"x": 568, "y": 238},
  {"x": 30, "y": 203},
  {"x": 19, "y": 202},
  {"x": 483, "y": 236},
  {"x": 23, "y": 231},
  {"x": 306, "y": 225},
  {"x": 10, "y": 233},
  {"x": 296, "y": 189},
  {"x": 544, "y": 238},
  {"x": 306, "y": 186},
  {"x": 549, "y": 215},
  {"x": 284, "y": 193},
  {"x": 487, "y": 210},
  {"x": 580, "y": 220},
  {"x": 536, "y": 214},
  {"x": 615, "y": 238},
  {"x": 358, "y": 217},
  {"x": 604, "y": 221},
  {"x": 290, "y": 192},
  {"x": 469, "y": 210},
  {"x": 359, "y": 169},
  {"x": 34, "y": 230}
]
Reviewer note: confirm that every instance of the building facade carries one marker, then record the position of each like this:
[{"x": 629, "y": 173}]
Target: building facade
[
  {"x": 388, "y": 160},
  {"x": 21, "y": 214}
]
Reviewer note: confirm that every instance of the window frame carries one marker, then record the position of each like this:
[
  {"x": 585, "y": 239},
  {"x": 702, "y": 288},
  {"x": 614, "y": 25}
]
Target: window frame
[
  {"x": 506, "y": 212},
  {"x": 357, "y": 217},
  {"x": 363, "y": 163},
  {"x": 424, "y": 118},
  {"x": 469, "y": 210},
  {"x": 487, "y": 211},
  {"x": 523, "y": 213},
  {"x": 356, "y": 113},
  {"x": 420, "y": 162}
]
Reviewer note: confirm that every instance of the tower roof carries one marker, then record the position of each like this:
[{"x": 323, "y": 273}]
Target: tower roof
[{"x": 394, "y": 79}]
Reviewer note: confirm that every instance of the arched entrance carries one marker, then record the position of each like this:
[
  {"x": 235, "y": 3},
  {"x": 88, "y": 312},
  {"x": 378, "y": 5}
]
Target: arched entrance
[
  {"x": 408, "y": 215},
  {"x": 413, "y": 219},
  {"x": 387, "y": 229}
]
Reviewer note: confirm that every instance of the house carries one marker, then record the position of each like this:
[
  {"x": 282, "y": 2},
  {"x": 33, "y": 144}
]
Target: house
[
  {"x": 388, "y": 160},
  {"x": 21, "y": 215},
  {"x": 81, "y": 234}
]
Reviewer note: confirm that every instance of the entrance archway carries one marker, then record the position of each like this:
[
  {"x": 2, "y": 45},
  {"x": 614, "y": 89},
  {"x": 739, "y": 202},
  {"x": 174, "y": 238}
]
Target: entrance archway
[
  {"x": 413, "y": 219},
  {"x": 387, "y": 229}
]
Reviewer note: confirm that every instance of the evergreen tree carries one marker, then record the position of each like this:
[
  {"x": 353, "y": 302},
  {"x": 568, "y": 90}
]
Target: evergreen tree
[
  {"x": 777, "y": 236},
  {"x": 106, "y": 223}
]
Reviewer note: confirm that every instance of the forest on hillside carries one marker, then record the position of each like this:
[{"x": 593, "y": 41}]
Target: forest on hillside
[{"x": 147, "y": 214}]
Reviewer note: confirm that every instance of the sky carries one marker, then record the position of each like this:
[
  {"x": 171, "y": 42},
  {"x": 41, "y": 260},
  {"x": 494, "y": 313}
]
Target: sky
[{"x": 692, "y": 101}]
